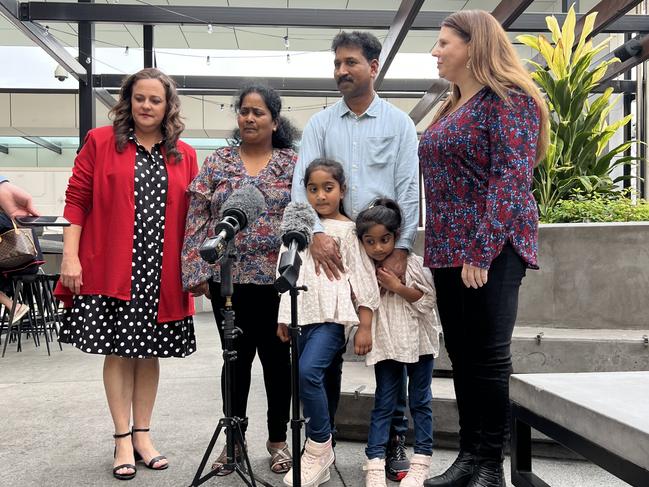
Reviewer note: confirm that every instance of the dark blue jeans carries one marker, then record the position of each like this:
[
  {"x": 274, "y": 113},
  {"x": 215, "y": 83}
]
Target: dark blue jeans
[
  {"x": 478, "y": 326},
  {"x": 318, "y": 345},
  {"x": 389, "y": 382},
  {"x": 333, "y": 375}
]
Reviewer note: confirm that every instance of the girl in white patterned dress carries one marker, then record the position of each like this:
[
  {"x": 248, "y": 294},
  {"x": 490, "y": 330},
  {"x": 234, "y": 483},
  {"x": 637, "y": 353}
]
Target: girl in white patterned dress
[
  {"x": 326, "y": 311},
  {"x": 405, "y": 334}
]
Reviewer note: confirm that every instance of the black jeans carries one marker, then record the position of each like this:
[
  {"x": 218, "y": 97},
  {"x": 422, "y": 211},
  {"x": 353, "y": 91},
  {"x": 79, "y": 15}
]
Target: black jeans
[
  {"x": 256, "y": 308},
  {"x": 478, "y": 326}
]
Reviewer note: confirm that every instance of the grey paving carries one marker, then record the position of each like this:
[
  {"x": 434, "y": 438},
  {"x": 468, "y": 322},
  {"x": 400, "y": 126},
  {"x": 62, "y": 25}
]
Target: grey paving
[{"x": 55, "y": 429}]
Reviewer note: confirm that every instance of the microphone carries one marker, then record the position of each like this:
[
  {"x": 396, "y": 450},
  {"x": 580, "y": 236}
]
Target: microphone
[
  {"x": 242, "y": 207},
  {"x": 297, "y": 232}
]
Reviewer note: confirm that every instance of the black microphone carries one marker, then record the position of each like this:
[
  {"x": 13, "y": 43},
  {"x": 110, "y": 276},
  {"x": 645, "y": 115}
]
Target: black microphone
[
  {"x": 242, "y": 207},
  {"x": 297, "y": 232}
]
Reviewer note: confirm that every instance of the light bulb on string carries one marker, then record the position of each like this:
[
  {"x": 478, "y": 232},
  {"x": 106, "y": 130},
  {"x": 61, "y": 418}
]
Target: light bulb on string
[
  {"x": 208, "y": 61},
  {"x": 46, "y": 32},
  {"x": 210, "y": 29},
  {"x": 288, "y": 58},
  {"x": 287, "y": 44},
  {"x": 126, "y": 51},
  {"x": 222, "y": 106}
]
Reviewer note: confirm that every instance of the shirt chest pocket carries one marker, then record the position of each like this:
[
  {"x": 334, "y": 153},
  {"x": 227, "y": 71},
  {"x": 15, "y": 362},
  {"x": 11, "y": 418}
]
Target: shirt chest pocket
[{"x": 382, "y": 151}]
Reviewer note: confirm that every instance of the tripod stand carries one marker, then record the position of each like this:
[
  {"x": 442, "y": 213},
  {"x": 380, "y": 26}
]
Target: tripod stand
[
  {"x": 230, "y": 424},
  {"x": 289, "y": 269}
]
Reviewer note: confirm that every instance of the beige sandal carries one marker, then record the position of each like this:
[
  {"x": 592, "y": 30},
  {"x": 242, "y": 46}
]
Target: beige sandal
[{"x": 280, "y": 458}]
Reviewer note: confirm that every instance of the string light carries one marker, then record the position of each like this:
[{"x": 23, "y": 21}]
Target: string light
[
  {"x": 286, "y": 42},
  {"x": 208, "y": 61},
  {"x": 288, "y": 58},
  {"x": 222, "y": 106},
  {"x": 126, "y": 51},
  {"x": 210, "y": 29},
  {"x": 46, "y": 32}
]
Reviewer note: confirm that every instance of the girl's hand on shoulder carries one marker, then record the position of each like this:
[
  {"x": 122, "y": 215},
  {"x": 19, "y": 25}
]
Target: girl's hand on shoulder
[
  {"x": 282, "y": 332},
  {"x": 388, "y": 280},
  {"x": 362, "y": 341}
]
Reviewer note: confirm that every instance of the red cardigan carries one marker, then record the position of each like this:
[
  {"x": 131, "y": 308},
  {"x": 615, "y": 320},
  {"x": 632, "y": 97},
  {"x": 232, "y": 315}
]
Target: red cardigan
[{"x": 100, "y": 199}]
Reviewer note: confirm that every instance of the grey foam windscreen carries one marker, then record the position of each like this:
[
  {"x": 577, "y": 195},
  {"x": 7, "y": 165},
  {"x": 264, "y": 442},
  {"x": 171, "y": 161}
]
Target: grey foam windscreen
[{"x": 298, "y": 220}]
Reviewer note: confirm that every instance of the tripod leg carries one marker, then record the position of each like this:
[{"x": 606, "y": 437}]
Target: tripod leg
[{"x": 197, "y": 478}]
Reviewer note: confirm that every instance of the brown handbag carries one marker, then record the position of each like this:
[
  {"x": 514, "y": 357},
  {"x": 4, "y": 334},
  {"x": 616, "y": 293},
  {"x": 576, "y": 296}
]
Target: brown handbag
[{"x": 16, "y": 247}]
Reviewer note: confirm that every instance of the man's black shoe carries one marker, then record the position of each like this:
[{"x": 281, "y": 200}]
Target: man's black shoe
[
  {"x": 489, "y": 473},
  {"x": 457, "y": 475},
  {"x": 396, "y": 459}
]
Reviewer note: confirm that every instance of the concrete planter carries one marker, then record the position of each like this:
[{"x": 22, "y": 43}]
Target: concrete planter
[{"x": 593, "y": 275}]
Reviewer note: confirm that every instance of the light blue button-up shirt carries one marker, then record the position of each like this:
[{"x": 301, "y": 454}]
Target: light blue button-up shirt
[
  {"x": 378, "y": 151},
  {"x": 3, "y": 178}
]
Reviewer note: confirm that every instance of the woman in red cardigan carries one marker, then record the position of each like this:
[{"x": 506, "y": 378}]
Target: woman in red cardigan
[{"x": 120, "y": 274}]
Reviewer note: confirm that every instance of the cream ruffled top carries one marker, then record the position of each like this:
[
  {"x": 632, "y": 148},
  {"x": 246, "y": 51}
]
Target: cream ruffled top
[
  {"x": 403, "y": 331},
  {"x": 331, "y": 301}
]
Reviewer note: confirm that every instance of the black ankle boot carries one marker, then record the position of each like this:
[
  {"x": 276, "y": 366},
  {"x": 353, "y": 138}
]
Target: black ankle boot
[
  {"x": 489, "y": 473},
  {"x": 457, "y": 475}
]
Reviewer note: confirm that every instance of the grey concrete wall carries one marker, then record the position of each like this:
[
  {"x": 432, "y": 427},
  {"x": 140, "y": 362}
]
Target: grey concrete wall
[{"x": 593, "y": 275}]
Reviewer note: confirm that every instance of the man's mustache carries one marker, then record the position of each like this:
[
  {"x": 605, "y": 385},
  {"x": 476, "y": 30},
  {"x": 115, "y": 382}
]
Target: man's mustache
[{"x": 344, "y": 78}]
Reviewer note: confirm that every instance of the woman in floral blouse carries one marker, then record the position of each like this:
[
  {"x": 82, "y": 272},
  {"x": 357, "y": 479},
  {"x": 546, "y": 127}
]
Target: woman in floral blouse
[
  {"x": 265, "y": 159},
  {"x": 478, "y": 158}
]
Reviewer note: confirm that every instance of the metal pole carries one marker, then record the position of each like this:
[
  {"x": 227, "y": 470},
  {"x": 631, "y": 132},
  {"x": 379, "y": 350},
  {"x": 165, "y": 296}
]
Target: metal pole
[
  {"x": 87, "y": 117},
  {"x": 149, "y": 61}
]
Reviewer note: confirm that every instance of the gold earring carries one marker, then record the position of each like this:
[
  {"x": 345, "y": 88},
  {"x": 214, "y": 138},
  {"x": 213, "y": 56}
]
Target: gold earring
[{"x": 468, "y": 64}]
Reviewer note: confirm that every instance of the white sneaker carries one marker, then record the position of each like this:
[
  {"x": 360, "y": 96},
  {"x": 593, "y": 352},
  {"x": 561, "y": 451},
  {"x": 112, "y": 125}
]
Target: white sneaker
[
  {"x": 315, "y": 463},
  {"x": 375, "y": 476},
  {"x": 419, "y": 467}
]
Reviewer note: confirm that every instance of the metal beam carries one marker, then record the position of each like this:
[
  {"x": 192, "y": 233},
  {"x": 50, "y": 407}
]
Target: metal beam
[
  {"x": 105, "y": 97},
  {"x": 149, "y": 61},
  {"x": 288, "y": 17},
  {"x": 87, "y": 112},
  {"x": 44, "y": 143},
  {"x": 616, "y": 69},
  {"x": 507, "y": 11},
  {"x": 4, "y": 149},
  {"x": 404, "y": 18},
  {"x": 41, "y": 37}
]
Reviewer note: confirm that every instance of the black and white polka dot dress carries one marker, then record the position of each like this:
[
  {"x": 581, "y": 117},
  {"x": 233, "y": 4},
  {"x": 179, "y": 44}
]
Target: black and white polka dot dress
[{"x": 106, "y": 325}]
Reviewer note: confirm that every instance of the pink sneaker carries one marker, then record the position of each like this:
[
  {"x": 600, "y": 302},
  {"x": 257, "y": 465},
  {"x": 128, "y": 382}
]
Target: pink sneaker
[
  {"x": 419, "y": 467},
  {"x": 375, "y": 476},
  {"x": 315, "y": 463}
]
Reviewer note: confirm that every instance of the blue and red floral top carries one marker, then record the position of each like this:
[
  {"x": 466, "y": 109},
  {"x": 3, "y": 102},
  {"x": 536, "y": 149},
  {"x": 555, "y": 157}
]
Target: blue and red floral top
[
  {"x": 258, "y": 244},
  {"x": 477, "y": 164}
]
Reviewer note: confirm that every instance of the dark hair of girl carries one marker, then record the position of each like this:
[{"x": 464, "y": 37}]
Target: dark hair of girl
[
  {"x": 334, "y": 168},
  {"x": 122, "y": 113},
  {"x": 383, "y": 211},
  {"x": 286, "y": 134}
]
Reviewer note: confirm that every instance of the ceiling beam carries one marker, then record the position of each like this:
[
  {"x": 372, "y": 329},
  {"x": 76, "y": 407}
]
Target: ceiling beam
[
  {"x": 41, "y": 37},
  {"x": 614, "y": 70},
  {"x": 105, "y": 97},
  {"x": 287, "y": 17},
  {"x": 4, "y": 149},
  {"x": 401, "y": 24},
  {"x": 44, "y": 143},
  {"x": 506, "y": 12},
  {"x": 608, "y": 11}
]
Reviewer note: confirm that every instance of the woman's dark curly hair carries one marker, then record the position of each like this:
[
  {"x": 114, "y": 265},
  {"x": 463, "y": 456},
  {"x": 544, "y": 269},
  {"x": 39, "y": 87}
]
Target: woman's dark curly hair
[
  {"x": 286, "y": 134},
  {"x": 172, "y": 125}
]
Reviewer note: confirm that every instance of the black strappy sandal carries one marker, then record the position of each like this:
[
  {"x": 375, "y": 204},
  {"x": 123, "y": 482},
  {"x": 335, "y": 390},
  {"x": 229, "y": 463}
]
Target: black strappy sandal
[
  {"x": 154, "y": 460},
  {"x": 123, "y": 476}
]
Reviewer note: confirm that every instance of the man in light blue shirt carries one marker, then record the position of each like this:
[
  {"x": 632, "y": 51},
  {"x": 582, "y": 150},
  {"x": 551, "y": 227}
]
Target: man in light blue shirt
[{"x": 376, "y": 143}]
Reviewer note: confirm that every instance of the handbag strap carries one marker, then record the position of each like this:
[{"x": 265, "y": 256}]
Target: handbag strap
[{"x": 16, "y": 229}]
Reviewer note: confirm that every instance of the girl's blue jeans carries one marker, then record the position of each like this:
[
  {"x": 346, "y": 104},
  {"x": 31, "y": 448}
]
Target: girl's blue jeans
[
  {"x": 317, "y": 344},
  {"x": 389, "y": 377}
]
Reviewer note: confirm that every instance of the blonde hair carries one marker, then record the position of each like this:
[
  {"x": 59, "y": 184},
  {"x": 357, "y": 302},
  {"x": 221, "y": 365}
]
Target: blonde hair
[{"x": 494, "y": 63}]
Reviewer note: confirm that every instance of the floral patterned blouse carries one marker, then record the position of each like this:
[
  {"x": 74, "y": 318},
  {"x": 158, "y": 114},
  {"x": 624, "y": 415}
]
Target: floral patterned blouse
[
  {"x": 478, "y": 164},
  {"x": 258, "y": 244}
]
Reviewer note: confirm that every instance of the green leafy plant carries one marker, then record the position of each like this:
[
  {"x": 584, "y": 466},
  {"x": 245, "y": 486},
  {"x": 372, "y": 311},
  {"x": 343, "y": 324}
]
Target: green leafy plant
[
  {"x": 579, "y": 133},
  {"x": 598, "y": 207}
]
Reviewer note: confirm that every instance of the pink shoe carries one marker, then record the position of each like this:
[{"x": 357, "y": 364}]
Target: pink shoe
[{"x": 315, "y": 463}]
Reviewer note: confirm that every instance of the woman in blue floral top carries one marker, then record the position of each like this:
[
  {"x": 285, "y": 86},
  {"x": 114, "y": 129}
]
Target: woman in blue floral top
[
  {"x": 265, "y": 159},
  {"x": 477, "y": 159}
]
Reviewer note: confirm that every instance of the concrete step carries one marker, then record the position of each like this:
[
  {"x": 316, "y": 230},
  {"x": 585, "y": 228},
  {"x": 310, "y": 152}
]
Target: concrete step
[
  {"x": 357, "y": 401},
  {"x": 544, "y": 350}
]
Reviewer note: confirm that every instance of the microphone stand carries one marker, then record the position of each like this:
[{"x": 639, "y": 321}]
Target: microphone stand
[
  {"x": 288, "y": 281},
  {"x": 231, "y": 424}
]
